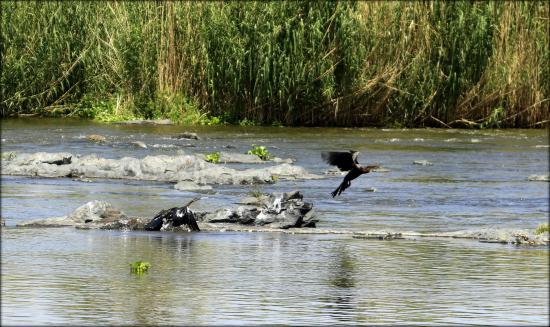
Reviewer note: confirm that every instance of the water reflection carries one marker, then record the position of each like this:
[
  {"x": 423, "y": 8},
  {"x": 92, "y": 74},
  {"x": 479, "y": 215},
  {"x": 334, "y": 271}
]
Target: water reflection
[
  {"x": 340, "y": 302},
  {"x": 236, "y": 278}
]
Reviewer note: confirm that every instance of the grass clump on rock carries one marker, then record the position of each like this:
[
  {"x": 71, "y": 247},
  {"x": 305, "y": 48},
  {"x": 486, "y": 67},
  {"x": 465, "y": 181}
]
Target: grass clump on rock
[
  {"x": 542, "y": 228},
  {"x": 213, "y": 157},
  {"x": 260, "y": 151}
]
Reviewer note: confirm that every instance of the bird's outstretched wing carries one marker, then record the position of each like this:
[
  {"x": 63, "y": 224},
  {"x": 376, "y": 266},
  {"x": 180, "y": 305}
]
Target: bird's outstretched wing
[{"x": 343, "y": 160}]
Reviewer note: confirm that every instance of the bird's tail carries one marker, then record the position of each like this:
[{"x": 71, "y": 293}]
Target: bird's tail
[{"x": 344, "y": 185}]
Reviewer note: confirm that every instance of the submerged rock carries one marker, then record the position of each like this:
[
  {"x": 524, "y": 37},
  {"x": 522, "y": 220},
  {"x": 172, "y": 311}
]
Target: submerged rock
[
  {"x": 190, "y": 186},
  {"x": 155, "y": 168},
  {"x": 422, "y": 163},
  {"x": 139, "y": 144},
  {"x": 380, "y": 236},
  {"x": 281, "y": 160},
  {"x": 540, "y": 178}
]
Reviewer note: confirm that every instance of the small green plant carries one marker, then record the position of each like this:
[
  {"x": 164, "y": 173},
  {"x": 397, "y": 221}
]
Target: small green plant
[
  {"x": 211, "y": 121},
  {"x": 260, "y": 151},
  {"x": 7, "y": 156},
  {"x": 256, "y": 192},
  {"x": 108, "y": 117},
  {"x": 139, "y": 267},
  {"x": 494, "y": 119},
  {"x": 213, "y": 157},
  {"x": 542, "y": 228},
  {"x": 246, "y": 122}
]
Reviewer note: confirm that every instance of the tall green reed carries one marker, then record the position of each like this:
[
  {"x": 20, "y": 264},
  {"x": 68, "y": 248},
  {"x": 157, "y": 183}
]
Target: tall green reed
[{"x": 480, "y": 64}]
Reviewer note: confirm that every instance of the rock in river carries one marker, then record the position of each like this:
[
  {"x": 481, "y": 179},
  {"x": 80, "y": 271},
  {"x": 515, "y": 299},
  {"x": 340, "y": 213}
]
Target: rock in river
[
  {"x": 279, "y": 211},
  {"x": 96, "y": 138},
  {"x": 155, "y": 168},
  {"x": 190, "y": 186},
  {"x": 93, "y": 211},
  {"x": 187, "y": 135},
  {"x": 233, "y": 157},
  {"x": 540, "y": 178},
  {"x": 422, "y": 163}
]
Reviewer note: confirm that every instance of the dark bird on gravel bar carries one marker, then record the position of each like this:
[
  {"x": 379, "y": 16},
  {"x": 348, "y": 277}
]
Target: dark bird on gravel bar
[{"x": 346, "y": 161}]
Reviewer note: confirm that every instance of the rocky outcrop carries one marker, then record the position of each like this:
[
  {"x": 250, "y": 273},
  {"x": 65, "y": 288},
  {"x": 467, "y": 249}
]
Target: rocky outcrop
[
  {"x": 187, "y": 135},
  {"x": 232, "y": 157},
  {"x": 484, "y": 235},
  {"x": 243, "y": 158},
  {"x": 280, "y": 210},
  {"x": 96, "y": 138},
  {"x": 422, "y": 163},
  {"x": 59, "y": 162},
  {"x": 539, "y": 178},
  {"x": 91, "y": 212},
  {"x": 139, "y": 144},
  {"x": 156, "y": 168},
  {"x": 190, "y": 186}
]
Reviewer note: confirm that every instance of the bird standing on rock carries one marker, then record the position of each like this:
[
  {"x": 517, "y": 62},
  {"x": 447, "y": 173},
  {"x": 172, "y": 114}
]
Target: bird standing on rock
[{"x": 346, "y": 161}]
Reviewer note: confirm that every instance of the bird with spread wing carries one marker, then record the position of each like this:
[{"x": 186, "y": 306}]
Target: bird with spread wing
[{"x": 346, "y": 161}]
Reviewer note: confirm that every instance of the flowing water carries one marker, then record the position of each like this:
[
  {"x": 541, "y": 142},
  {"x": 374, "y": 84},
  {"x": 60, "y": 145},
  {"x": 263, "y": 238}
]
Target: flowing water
[{"x": 478, "y": 179}]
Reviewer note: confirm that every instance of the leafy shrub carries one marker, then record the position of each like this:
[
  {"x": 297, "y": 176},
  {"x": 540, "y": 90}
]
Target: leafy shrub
[
  {"x": 139, "y": 267},
  {"x": 260, "y": 151},
  {"x": 246, "y": 122},
  {"x": 213, "y": 157},
  {"x": 542, "y": 228},
  {"x": 7, "y": 156}
]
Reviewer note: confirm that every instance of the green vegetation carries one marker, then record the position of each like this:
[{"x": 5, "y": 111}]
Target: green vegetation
[
  {"x": 391, "y": 63},
  {"x": 139, "y": 267},
  {"x": 7, "y": 156},
  {"x": 246, "y": 122},
  {"x": 257, "y": 192},
  {"x": 542, "y": 228},
  {"x": 260, "y": 151},
  {"x": 213, "y": 157}
]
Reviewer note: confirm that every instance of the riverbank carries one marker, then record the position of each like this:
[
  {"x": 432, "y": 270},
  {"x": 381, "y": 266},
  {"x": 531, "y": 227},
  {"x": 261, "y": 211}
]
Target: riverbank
[{"x": 438, "y": 64}]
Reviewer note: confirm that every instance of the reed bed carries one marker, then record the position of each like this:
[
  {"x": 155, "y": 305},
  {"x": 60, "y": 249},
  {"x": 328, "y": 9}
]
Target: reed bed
[{"x": 447, "y": 64}]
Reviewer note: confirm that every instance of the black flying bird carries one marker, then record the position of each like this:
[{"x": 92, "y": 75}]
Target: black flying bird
[{"x": 346, "y": 161}]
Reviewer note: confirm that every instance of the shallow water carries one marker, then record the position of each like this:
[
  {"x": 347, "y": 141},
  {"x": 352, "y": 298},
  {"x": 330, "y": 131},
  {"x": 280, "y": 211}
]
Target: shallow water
[{"x": 478, "y": 179}]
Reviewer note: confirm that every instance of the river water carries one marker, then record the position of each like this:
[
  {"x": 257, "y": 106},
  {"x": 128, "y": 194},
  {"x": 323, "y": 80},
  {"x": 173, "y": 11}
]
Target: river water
[{"x": 478, "y": 180}]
